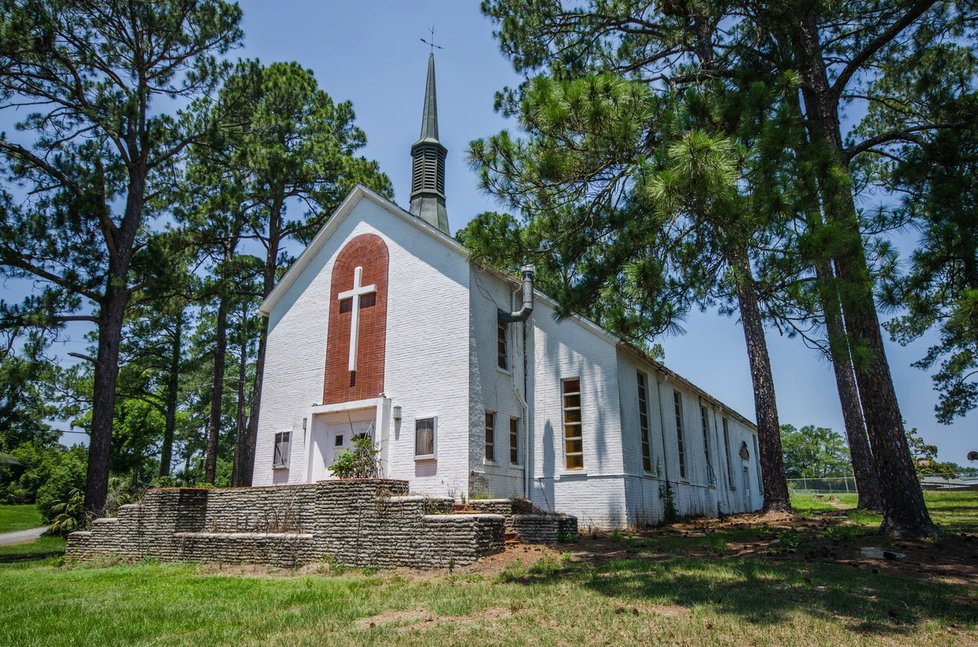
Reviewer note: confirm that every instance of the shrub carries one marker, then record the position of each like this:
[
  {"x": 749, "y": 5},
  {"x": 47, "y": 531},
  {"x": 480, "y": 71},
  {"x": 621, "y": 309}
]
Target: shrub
[
  {"x": 67, "y": 475},
  {"x": 69, "y": 515},
  {"x": 359, "y": 462},
  {"x": 119, "y": 494},
  {"x": 28, "y": 468}
]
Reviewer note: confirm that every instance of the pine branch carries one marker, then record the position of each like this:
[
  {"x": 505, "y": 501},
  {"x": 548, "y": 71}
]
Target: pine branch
[{"x": 878, "y": 43}]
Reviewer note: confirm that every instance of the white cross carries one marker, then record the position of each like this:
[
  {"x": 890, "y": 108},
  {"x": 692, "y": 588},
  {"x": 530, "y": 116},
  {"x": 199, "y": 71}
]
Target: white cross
[{"x": 355, "y": 294}]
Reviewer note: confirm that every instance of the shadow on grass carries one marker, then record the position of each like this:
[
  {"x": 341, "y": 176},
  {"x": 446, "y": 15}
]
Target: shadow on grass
[
  {"x": 39, "y": 550},
  {"x": 766, "y": 592},
  {"x": 38, "y": 556}
]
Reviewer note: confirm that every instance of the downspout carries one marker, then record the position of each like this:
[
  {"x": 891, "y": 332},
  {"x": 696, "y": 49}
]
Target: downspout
[
  {"x": 527, "y": 422},
  {"x": 527, "y": 307},
  {"x": 522, "y": 315}
]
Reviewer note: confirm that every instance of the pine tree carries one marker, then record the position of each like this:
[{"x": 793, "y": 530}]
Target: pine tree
[{"x": 98, "y": 149}]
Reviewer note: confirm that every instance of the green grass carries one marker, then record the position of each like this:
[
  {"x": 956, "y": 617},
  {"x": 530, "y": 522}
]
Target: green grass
[
  {"x": 19, "y": 517},
  {"x": 674, "y": 586},
  {"x": 46, "y": 550}
]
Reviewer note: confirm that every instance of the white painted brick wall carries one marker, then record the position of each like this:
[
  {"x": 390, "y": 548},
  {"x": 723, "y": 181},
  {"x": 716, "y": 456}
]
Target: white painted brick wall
[
  {"x": 426, "y": 369},
  {"x": 492, "y": 389},
  {"x": 441, "y": 360}
]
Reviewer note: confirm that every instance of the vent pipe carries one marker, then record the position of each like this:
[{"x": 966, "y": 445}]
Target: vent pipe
[{"x": 527, "y": 307}]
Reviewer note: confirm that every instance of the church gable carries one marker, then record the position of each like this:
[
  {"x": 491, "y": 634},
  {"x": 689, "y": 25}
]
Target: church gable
[{"x": 357, "y": 330}]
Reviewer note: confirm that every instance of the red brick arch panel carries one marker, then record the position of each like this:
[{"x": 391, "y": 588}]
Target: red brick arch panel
[{"x": 369, "y": 252}]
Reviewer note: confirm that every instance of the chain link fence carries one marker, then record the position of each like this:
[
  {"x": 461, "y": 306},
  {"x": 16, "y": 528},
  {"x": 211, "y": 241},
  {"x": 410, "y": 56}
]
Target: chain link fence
[
  {"x": 847, "y": 484},
  {"x": 826, "y": 485}
]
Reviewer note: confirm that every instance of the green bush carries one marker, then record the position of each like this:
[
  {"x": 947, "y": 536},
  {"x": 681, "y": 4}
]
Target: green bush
[
  {"x": 34, "y": 464},
  {"x": 68, "y": 475},
  {"x": 68, "y": 515},
  {"x": 360, "y": 462}
]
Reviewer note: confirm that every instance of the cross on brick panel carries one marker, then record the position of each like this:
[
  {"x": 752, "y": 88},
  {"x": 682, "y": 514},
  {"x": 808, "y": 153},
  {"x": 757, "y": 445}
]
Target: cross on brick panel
[{"x": 355, "y": 293}]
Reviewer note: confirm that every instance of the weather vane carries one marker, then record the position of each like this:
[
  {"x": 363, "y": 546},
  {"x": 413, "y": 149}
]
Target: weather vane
[{"x": 431, "y": 43}]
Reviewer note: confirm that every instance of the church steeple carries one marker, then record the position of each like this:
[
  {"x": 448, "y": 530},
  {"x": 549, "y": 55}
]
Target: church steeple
[{"x": 428, "y": 169}]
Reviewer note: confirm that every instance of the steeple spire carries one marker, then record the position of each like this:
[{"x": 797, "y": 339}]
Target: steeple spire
[
  {"x": 429, "y": 116},
  {"x": 428, "y": 170}
]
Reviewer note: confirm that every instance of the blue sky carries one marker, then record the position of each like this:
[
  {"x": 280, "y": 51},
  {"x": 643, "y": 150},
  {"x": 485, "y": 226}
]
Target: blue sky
[{"x": 369, "y": 52}]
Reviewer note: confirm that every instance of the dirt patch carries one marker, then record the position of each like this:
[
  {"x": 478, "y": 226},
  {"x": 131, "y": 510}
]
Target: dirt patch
[
  {"x": 514, "y": 555},
  {"x": 392, "y": 617},
  {"x": 667, "y": 610},
  {"x": 421, "y": 619},
  {"x": 522, "y": 554}
]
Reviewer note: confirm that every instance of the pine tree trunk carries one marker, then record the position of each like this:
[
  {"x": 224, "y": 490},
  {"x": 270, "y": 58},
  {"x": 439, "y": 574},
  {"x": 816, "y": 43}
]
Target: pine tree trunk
[
  {"x": 775, "y": 485},
  {"x": 863, "y": 466},
  {"x": 240, "y": 438},
  {"x": 217, "y": 391},
  {"x": 110, "y": 321},
  {"x": 251, "y": 436},
  {"x": 172, "y": 392},
  {"x": 268, "y": 283},
  {"x": 904, "y": 511}
]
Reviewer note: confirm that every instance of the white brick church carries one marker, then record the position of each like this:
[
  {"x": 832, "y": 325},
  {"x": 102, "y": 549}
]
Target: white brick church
[{"x": 468, "y": 387}]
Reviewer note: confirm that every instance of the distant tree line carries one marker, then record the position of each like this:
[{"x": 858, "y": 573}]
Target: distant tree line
[{"x": 819, "y": 452}]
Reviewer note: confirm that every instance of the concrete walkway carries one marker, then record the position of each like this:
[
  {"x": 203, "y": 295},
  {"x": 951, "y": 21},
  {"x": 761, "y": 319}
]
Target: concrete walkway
[{"x": 21, "y": 535}]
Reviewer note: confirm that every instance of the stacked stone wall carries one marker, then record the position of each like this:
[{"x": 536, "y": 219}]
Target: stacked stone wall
[
  {"x": 534, "y": 528},
  {"x": 494, "y": 506},
  {"x": 356, "y": 522},
  {"x": 544, "y": 528},
  {"x": 270, "y": 509}
]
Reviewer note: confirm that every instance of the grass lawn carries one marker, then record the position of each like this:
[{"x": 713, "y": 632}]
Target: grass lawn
[
  {"x": 19, "y": 517},
  {"x": 742, "y": 581}
]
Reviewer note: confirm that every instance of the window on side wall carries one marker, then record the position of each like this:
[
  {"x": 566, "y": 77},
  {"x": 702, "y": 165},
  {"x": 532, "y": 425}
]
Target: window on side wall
[
  {"x": 573, "y": 436},
  {"x": 726, "y": 451},
  {"x": 424, "y": 438},
  {"x": 757, "y": 460},
  {"x": 502, "y": 347},
  {"x": 643, "y": 421},
  {"x": 705, "y": 416},
  {"x": 490, "y": 436},
  {"x": 514, "y": 438},
  {"x": 677, "y": 400},
  {"x": 280, "y": 456}
]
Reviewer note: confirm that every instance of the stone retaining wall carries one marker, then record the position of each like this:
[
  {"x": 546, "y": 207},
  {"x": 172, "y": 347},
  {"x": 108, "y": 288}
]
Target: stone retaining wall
[
  {"x": 536, "y": 528},
  {"x": 544, "y": 528},
  {"x": 356, "y": 522}
]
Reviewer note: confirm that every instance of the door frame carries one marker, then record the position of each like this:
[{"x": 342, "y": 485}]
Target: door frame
[{"x": 376, "y": 410}]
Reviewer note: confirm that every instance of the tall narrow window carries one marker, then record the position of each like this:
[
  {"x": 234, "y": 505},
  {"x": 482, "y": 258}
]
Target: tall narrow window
[
  {"x": 424, "y": 438},
  {"x": 280, "y": 457},
  {"x": 677, "y": 399},
  {"x": 705, "y": 417},
  {"x": 490, "y": 436},
  {"x": 643, "y": 422},
  {"x": 514, "y": 438},
  {"x": 502, "y": 354},
  {"x": 573, "y": 438},
  {"x": 726, "y": 452},
  {"x": 757, "y": 459}
]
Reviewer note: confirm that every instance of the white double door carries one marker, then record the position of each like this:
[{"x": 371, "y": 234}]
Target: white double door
[{"x": 331, "y": 439}]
